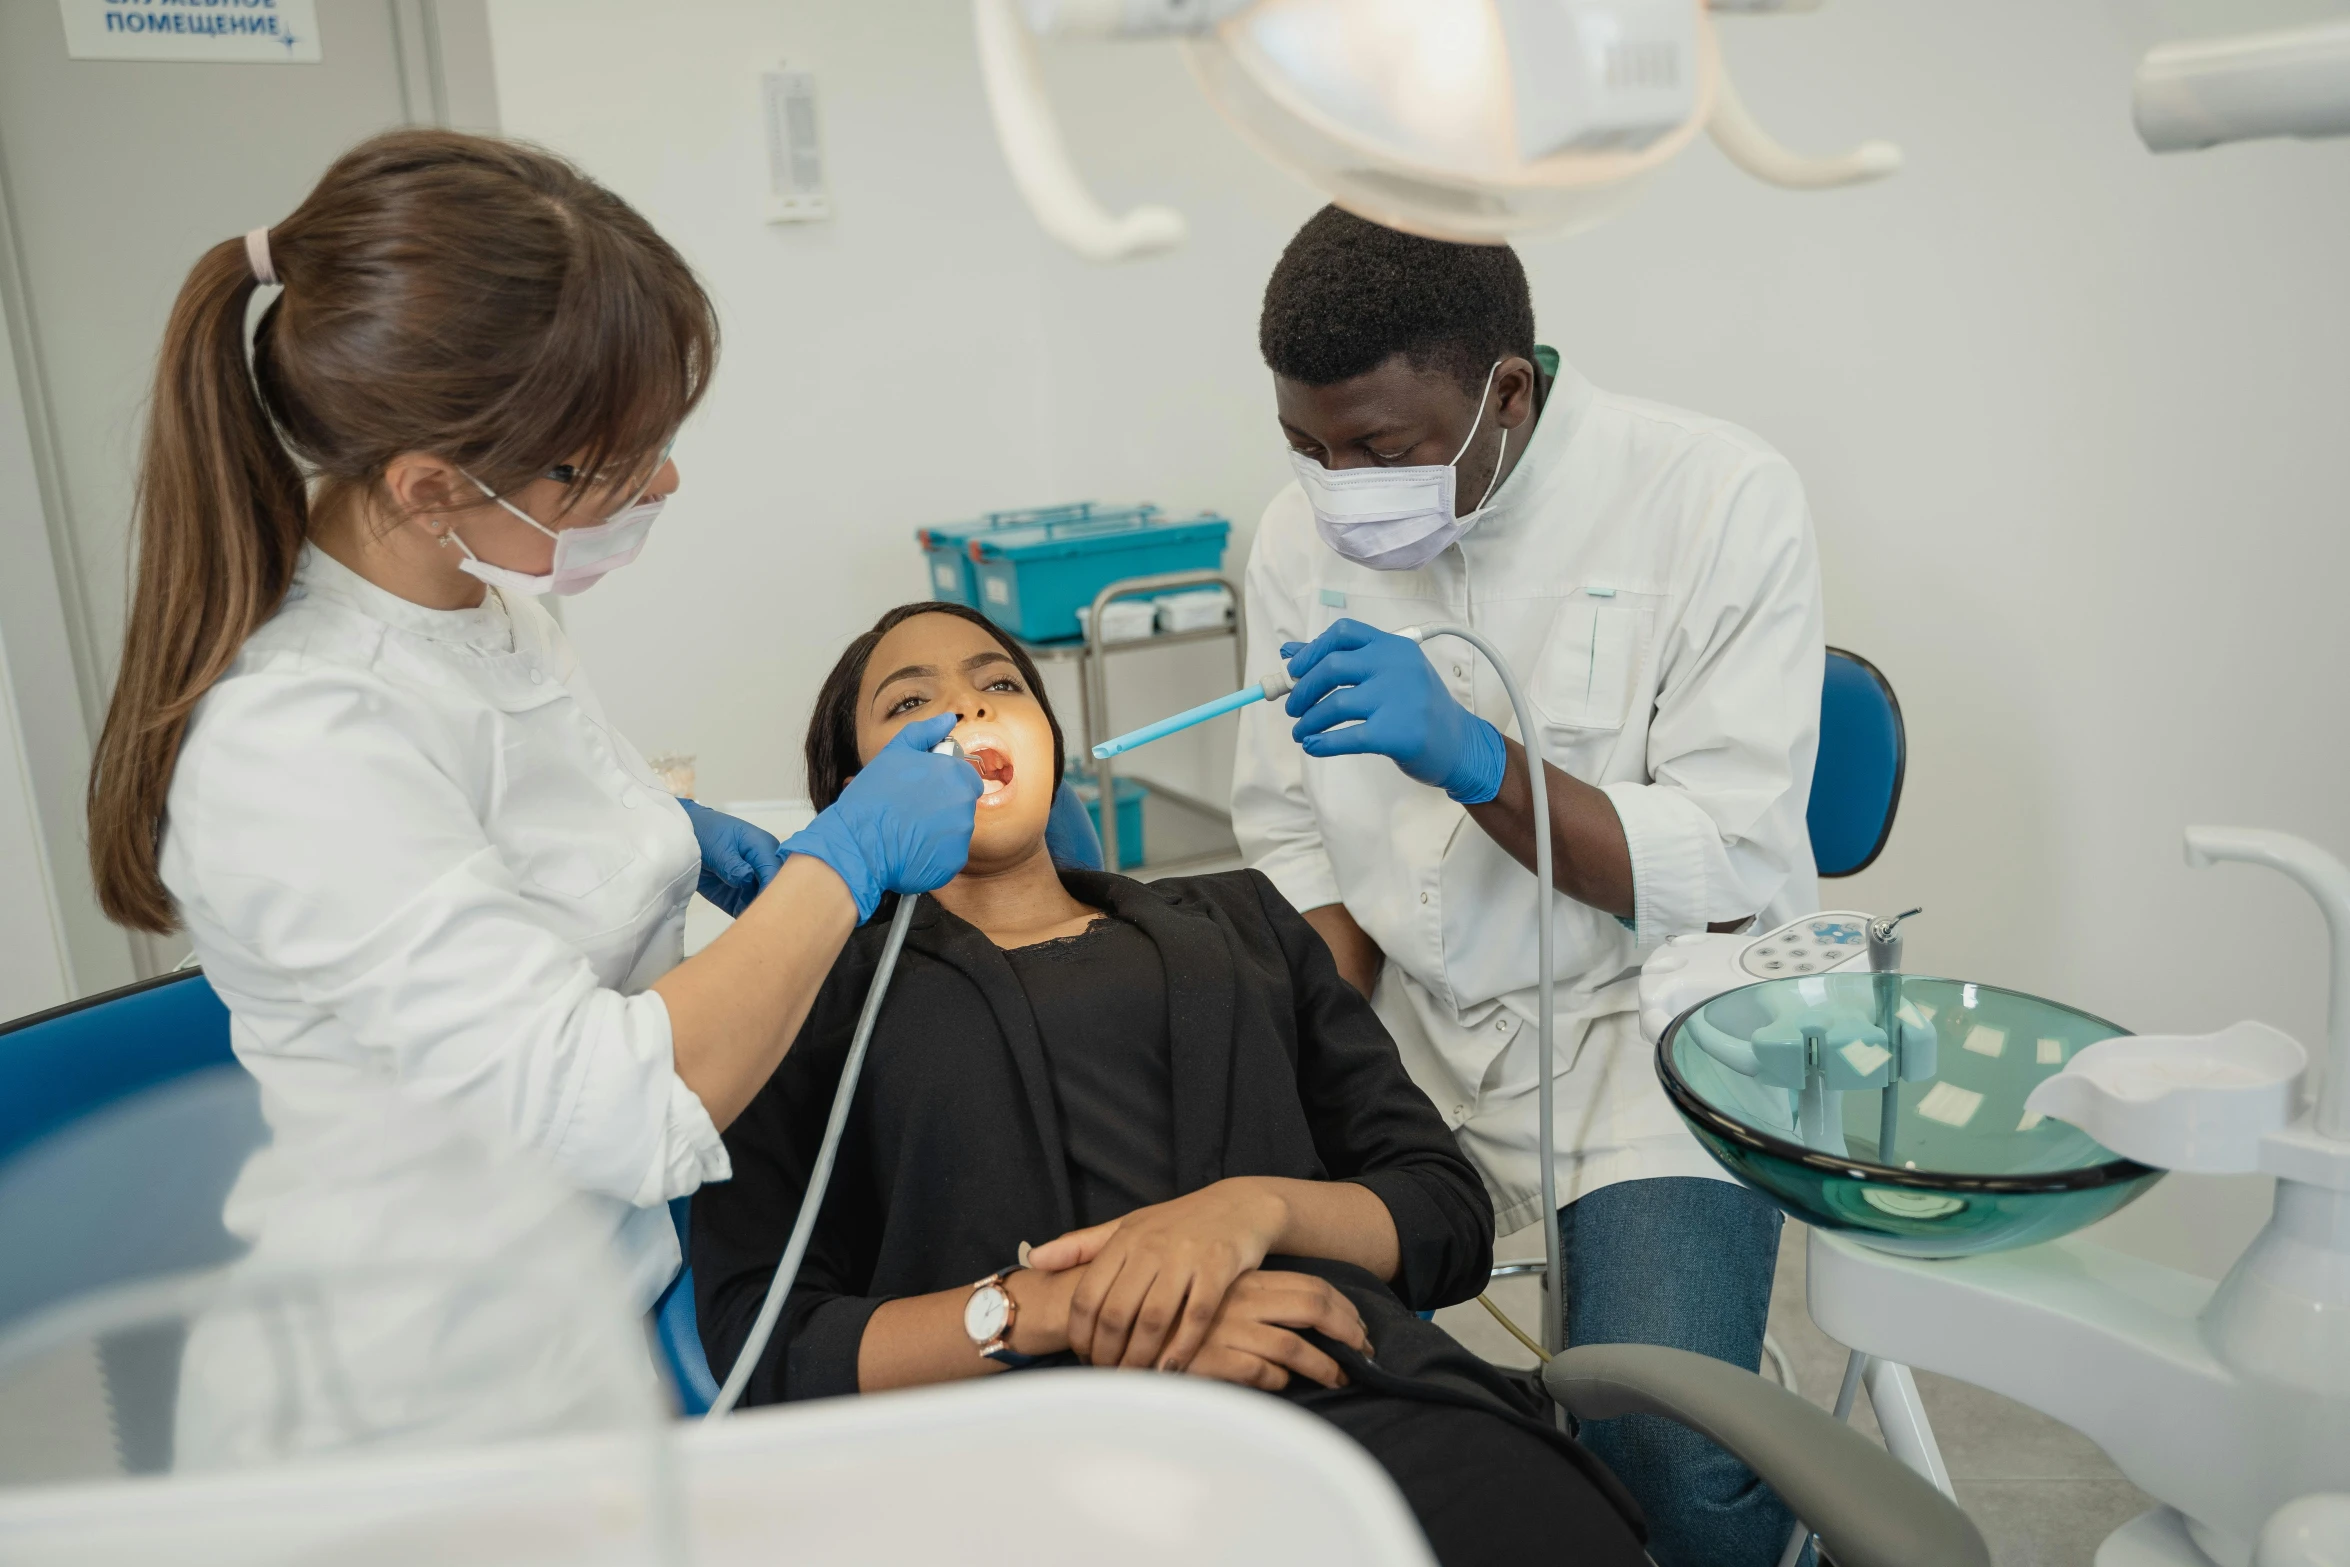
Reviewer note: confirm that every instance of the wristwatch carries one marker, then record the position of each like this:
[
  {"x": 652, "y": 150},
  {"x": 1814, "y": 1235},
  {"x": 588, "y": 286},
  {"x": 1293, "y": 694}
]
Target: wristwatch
[{"x": 988, "y": 1317}]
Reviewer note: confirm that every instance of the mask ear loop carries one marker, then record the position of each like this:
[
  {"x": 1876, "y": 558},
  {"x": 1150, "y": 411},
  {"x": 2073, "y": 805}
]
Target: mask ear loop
[
  {"x": 1495, "y": 482},
  {"x": 450, "y": 532},
  {"x": 1478, "y": 422}
]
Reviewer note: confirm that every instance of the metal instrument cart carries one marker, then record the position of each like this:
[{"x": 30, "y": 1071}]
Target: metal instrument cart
[{"x": 1092, "y": 656}]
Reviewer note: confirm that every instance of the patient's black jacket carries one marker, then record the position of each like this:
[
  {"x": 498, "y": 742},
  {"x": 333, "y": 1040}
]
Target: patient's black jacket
[{"x": 953, "y": 1153}]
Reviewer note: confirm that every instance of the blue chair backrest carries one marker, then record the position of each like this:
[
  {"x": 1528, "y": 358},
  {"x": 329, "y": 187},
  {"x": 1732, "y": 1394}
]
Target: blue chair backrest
[
  {"x": 108, "y": 1053},
  {"x": 1068, "y": 833},
  {"x": 60, "y": 1065},
  {"x": 677, "y": 1327},
  {"x": 1856, "y": 786}
]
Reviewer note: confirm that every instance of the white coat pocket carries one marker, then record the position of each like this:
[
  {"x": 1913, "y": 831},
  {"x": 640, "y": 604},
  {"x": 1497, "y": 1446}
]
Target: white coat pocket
[
  {"x": 1583, "y": 685},
  {"x": 1584, "y": 681}
]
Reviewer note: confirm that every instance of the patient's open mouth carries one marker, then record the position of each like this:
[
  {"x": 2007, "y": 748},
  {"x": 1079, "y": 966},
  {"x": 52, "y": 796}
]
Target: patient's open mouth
[{"x": 995, "y": 770}]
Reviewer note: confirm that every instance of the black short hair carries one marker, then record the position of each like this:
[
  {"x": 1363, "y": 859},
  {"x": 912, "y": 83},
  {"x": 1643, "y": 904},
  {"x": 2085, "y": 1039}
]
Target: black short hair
[
  {"x": 831, "y": 752},
  {"x": 1348, "y": 295}
]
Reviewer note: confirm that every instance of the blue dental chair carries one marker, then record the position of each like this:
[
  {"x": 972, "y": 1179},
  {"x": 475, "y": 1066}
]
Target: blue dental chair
[
  {"x": 59, "y": 1065},
  {"x": 56, "y": 1068}
]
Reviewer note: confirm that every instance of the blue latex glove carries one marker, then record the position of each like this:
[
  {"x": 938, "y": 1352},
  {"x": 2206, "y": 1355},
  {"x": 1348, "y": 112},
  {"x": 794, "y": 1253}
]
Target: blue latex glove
[
  {"x": 903, "y": 824},
  {"x": 738, "y": 859},
  {"x": 1353, "y": 672}
]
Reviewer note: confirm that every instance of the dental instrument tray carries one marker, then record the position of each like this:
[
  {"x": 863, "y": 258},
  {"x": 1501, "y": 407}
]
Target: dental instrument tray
[{"x": 1033, "y": 578}]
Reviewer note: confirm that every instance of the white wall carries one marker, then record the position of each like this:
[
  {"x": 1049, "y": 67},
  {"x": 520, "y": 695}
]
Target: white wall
[
  {"x": 34, "y": 972},
  {"x": 926, "y": 355},
  {"x": 2072, "y": 418}
]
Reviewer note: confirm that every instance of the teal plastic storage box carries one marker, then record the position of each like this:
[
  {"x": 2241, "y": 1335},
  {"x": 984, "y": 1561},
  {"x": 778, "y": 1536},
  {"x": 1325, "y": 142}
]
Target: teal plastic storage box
[
  {"x": 951, "y": 574},
  {"x": 1130, "y": 797},
  {"x": 1034, "y": 580}
]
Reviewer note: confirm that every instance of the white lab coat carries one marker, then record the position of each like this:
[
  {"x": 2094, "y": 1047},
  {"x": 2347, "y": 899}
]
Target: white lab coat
[
  {"x": 409, "y": 848},
  {"x": 1651, "y": 577}
]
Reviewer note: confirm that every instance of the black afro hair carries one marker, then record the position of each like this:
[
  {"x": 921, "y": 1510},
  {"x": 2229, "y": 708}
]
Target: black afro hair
[{"x": 1348, "y": 295}]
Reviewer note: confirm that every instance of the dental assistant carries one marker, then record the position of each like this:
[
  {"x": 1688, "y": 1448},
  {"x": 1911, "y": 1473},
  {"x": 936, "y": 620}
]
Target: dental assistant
[
  {"x": 1651, "y": 577},
  {"x": 350, "y": 751}
]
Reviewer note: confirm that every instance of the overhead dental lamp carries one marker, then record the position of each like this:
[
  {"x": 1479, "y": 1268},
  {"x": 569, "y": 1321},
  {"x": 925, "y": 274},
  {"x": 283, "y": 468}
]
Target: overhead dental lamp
[{"x": 1470, "y": 120}]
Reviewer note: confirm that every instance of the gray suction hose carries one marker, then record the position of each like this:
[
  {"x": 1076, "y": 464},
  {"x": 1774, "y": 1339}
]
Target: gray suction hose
[
  {"x": 1546, "y": 1005},
  {"x": 787, "y": 1268}
]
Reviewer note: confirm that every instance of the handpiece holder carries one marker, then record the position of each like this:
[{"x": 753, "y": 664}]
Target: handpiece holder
[
  {"x": 1885, "y": 941},
  {"x": 2327, "y": 880}
]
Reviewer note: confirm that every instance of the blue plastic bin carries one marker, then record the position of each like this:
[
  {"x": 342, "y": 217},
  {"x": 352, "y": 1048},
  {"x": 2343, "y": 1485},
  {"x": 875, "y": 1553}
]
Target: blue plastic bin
[
  {"x": 951, "y": 574},
  {"x": 1034, "y": 580},
  {"x": 1130, "y": 797}
]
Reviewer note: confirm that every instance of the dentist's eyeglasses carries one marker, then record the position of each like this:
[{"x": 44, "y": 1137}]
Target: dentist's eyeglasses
[{"x": 566, "y": 473}]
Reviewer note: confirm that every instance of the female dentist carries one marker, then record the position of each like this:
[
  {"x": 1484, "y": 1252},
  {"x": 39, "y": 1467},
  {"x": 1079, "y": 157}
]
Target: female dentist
[{"x": 355, "y": 757}]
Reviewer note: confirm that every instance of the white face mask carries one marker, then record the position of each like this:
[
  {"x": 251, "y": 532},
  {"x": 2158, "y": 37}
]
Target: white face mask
[
  {"x": 582, "y": 555},
  {"x": 1394, "y": 519}
]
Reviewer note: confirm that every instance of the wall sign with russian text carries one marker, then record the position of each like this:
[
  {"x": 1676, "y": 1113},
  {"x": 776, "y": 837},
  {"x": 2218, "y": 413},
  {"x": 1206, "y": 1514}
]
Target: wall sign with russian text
[{"x": 241, "y": 32}]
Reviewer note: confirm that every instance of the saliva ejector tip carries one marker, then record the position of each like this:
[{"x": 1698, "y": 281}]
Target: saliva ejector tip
[{"x": 1276, "y": 684}]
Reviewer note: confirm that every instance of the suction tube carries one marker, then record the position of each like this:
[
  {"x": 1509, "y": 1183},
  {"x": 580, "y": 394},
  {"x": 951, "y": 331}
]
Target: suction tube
[
  {"x": 787, "y": 1268},
  {"x": 1546, "y": 1003},
  {"x": 1276, "y": 684}
]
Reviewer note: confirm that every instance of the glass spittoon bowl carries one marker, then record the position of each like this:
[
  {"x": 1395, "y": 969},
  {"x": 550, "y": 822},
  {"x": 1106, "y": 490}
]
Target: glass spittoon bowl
[{"x": 1785, "y": 1083}]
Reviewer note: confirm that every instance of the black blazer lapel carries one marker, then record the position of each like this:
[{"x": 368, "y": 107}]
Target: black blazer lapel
[
  {"x": 1199, "y": 967},
  {"x": 960, "y": 946}
]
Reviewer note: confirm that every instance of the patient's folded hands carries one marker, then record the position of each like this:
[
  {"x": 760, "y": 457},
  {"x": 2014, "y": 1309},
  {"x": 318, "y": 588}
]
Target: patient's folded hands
[
  {"x": 1154, "y": 1280},
  {"x": 1256, "y": 1340}
]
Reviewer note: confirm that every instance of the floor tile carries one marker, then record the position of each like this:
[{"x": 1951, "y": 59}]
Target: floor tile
[{"x": 2048, "y": 1523}]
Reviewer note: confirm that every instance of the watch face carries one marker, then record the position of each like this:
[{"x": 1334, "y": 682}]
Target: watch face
[{"x": 984, "y": 1313}]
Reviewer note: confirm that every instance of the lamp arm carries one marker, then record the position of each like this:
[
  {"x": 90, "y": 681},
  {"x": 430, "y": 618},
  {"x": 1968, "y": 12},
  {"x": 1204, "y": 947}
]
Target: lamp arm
[
  {"x": 1744, "y": 142},
  {"x": 1042, "y": 169}
]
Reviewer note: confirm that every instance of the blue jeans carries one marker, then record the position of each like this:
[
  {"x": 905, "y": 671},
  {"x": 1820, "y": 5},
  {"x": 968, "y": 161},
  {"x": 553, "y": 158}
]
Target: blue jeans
[{"x": 1685, "y": 1262}]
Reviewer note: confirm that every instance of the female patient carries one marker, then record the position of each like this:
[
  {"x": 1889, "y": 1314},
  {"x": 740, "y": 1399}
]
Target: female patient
[{"x": 1173, "y": 1080}]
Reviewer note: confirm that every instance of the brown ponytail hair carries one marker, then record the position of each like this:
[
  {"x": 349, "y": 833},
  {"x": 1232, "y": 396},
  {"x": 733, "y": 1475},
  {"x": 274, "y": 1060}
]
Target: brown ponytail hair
[{"x": 476, "y": 299}]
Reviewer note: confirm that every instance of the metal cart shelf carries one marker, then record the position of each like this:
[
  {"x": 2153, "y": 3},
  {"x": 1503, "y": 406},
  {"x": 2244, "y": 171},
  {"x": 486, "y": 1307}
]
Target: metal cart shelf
[{"x": 1092, "y": 656}]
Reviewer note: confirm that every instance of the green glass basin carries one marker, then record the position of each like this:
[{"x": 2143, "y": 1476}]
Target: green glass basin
[{"x": 1784, "y": 1082}]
